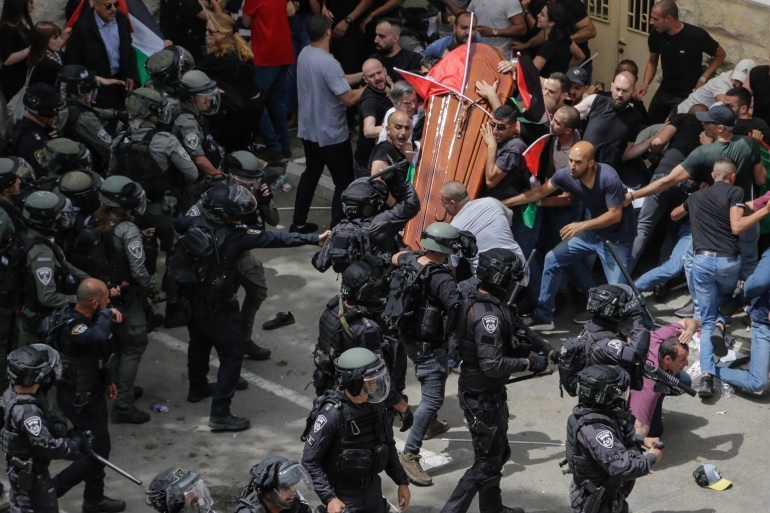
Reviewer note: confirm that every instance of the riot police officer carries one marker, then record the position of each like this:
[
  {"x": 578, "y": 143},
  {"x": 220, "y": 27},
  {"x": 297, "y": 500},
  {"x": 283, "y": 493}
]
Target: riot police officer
[
  {"x": 121, "y": 198},
  {"x": 28, "y": 438},
  {"x": 85, "y": 123},
  {"x": 82, "y": 335},
  {"x": 426, "y": 319},
  {"x": 176, "y": 490},
  {"x": 61, "y": 155},
  {"x": 81, "y": 188},
  {"x": 52, "y": 280},
  {"x": 199, "y": 97},
  {"x": 214, "y": 316},
  {"x": 277, "y": 484},
  {"x": 45, "y": 113},
  {"x": 345, "y": 463},
  {"x": 154, "y": 158},
  {"x": 167, "y": 66},
  {"x": 602, "y": 451},
  {"x": 492, "y": 347}
]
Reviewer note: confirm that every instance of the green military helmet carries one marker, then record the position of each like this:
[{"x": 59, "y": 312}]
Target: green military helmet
[
  {"x": 82, "y": 188},
  {"x": 441, "y": 238},
  {"x": 13, "y": 168},
  {"x": 41, "y": 209},
  {"x": 145, "y": 103},
  {"x": 61, "y": 155},
  {"x": 200, "y": 90},
  {"x": 245, "y": 169},
  {"x": 122, "y": 192},
  {"x": 361, "y": 372},
  {"x": 167, "y": 65}
]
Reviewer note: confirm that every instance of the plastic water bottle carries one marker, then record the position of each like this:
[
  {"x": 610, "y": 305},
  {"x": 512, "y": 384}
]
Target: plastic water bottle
[
  {"x": 727, "y": 390},
  {"x": 286, "y": 186},
  {"x": 279, "y": 182},
  {"x": 162, "y": 408}
]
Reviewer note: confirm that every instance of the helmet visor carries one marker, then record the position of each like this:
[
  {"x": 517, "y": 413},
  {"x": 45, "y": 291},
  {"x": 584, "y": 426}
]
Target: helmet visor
[
  {"x": 293, "y": 484},
  {"x": 207, "y": 103},
  {"x": 376, "y": 384},
  {"x": 142, "y": 206},
  {"x": 67, "y": 218},
  {"x": 245, "y": 199},
  {"x": 24, "y": 171},
  {"x": 197, "y": 498},
  {"x": 53, "y": 358},
  {"x": 250, "y": 185}
]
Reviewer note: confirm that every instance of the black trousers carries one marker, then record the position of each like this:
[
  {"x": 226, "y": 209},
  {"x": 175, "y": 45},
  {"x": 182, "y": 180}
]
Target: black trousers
[
  {"x": 661, "y": 105},
  {"x": 41, "y": 499},
  {"x": 366, "y": 499}
]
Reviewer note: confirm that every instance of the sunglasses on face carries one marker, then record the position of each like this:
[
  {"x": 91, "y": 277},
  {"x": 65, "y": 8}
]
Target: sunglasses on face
[
  {"x": 110, "y": 5},
  {"x": 501, "y": 126}
]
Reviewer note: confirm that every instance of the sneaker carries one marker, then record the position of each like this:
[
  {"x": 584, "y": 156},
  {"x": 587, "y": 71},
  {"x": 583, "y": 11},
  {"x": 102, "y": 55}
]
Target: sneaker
[
  {"x": 303, "y": 228},
  {"x": 686, "y": 311},
  {"x": 535, "y": 323},
  {"x": 281, "y": 319},
  {"x": 196, "y": 395},
  {"x": 229, "y": 423},
  {"x": 413, "y": 469},
  {"x": 129, "y": 416},
  {"x": 242, "y": 383},
  {"x": 436, "y": 428},
  {"x": 718, "y": 340},
  {"x": 105, "y": 505},
  {"x": 706, "y": 387},
  {"x": 583, "y": 317},
  {"x": 254, "y": 352}
]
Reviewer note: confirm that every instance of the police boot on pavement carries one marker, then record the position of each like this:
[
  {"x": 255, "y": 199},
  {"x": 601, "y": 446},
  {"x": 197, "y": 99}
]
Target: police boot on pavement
[
  {"x": 277, "y": 484},
  {"x": 178, "y": 490},
  {"x": 349, "y": 438}
]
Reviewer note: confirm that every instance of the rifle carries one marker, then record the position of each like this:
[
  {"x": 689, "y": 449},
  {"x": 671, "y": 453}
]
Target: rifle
[
  {"x": 666, "y": 383},
  {"x": 648, "y": 316}
]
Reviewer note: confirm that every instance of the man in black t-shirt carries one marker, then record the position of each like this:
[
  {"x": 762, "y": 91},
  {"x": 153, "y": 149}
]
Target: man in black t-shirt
[
  {"x": 680, "y": 47},
  {"x": 372, "y": 106},
  {"x": 391, "y": 150},
  {"x": 739, "y": 100},
  {"x": 389, "y": 51}
]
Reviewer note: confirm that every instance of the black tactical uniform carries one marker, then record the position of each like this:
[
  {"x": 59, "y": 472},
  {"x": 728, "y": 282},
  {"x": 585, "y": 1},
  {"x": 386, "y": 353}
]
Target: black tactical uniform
[
  {"x": 28, "y": 143},
  {"x": 44, "y": 103},
  {"x": 85, "y": 350},
  {"x": 603, "y": 453},
  {"x": 492, "y": 347},
  {"x": 275, "y": 481},
  {"x": 27, "y": 435}
]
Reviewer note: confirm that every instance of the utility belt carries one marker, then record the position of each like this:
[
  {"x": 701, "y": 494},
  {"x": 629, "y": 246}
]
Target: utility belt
[
  {"x": 359, "y": 466},
  {"x": 594, "y": 497},
  {"x": 353, "y": 484},
  {"x": 428, "y": 349},
  {"x": 25, "y": 471},
  {"x": 486, "y": 397}
]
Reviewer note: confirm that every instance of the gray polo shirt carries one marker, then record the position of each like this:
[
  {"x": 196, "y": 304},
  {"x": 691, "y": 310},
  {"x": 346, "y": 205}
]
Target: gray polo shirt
[{"x": 321, "y": 114}]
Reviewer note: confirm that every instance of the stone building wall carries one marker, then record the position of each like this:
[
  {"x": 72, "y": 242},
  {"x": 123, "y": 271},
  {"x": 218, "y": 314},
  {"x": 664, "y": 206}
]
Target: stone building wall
[{"x": 53, "y": 10}]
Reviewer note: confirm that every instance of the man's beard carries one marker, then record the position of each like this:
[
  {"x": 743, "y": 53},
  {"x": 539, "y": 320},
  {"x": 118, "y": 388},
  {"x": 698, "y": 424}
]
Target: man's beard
[{"x": 620, "y": 106}]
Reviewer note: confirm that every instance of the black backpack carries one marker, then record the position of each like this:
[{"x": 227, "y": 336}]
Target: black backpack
[
  {"x": 575, "y": 355},
  {"x": 50, "y": 326},
  {"x": 94, "y": 253},
  {"x": 407, "y": 287},
  {"x": 13, "y": 263},
  {"x": 134, "y": 161},
  {"x": 349, "y": 242}
]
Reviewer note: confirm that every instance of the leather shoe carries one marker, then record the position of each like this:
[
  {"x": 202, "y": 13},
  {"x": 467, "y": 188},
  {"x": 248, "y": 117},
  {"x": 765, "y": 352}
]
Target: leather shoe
[
  {"x": 255, "y": 352},
  {"x": 106, "y": 505},
  {"x": 229, "y": 423},
  {"x": 304, "y": 228},
  {"x": 718, "y": 340},
  {"x": 281, "y": 319},
  {"x": 242, "y": 384},
  {"x": 196, "y": 395},
  {"x": 129, "y": 416}
]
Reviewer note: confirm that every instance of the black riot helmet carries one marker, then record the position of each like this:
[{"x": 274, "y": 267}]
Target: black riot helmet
[
  {"x": 42, "y": 208},
  {"x": 602, "y": 385},
  {"x": 61, "y": 155},
  {"x": 166, "y": 66},
  {"x": 75, "y": 80},
  {"x": 82, "y": 188},
  {"x": 279, "y": 480},
  {"x": 227, "y": 203},
  {"x": 122, "y": 192},
  {"x": 608, "y": 301},
  {"x": 361, "y": 372},
  {"x": 13, "y": 168},
  {"x": 441, "y": 238},
  {"x": 244, "y": 169},
  {"x": 364, "y": 198},
  {"x": 365, "y": 281},
  {"x": 174, "y": 488},
  {"x": 36, "y": 364},
  {"x": 44, "y": 101},
  {"x": 498, "y": 268}
]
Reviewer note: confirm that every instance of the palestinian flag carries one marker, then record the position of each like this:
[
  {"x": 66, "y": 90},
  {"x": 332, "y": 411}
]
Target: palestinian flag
[
  {"x": 532, "y": 157},
  {"x": 145, "y": 33},
  {"x": 530, "y": 98},
  {"x": 447, "y": 76}
]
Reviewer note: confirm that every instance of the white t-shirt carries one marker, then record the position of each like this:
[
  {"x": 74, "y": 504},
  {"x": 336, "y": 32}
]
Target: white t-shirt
[{"x": 496, "y": 14}]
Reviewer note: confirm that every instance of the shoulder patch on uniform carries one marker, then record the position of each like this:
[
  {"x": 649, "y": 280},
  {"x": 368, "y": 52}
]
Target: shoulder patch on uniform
[
  {"x": 605, "y": 438},
  {"x": 136, "y": 249},
  {"x": 194, "y": 211},
  {"x": 320, "y": 421},
  {"x": 34, "y": 425},
  {"x": 78, "y": 329},
  {"x": 104, "y": 136},
  {"x": 182, "y": 153},
  {"x": 192, "y": 141},
  {"x": 310, "y": 440},
  {"x": 617, "y": 345},
  {"x": 44, "y": 274},
  {"x": 490, "y": 323},
  {"x": 252, "y": 231}
]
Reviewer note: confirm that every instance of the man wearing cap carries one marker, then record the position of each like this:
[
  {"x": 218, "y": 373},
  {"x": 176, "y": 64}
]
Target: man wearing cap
[
  {"x": 718, "y": 124},
  {"x": 578, "y": 80},
  {"x": 713, "y": 91}
]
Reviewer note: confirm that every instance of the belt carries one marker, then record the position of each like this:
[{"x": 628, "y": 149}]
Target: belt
[
  {"x": 487, "y": 397},
  {"x": 703, "y": 252}
]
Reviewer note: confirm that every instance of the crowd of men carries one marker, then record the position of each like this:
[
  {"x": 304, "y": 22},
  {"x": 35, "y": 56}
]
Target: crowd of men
[{"x": 94, "y": 187}]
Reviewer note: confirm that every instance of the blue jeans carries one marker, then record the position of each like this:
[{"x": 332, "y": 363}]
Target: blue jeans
[
  {"x": 566, "y": 254},
  {"x": 759, "y": 281},
  {"x": 714, "y": 279},
  {"x": 671, "y": 267},
  {"x": 754, "y": 379},
  {"x": 273, "y": 83},
  {"x": 527, "y": 238},
  {"x": 431, "y": 372},
  {"x": 748, "y": 242},
  {"x": 687, "y": 261},
  {"x": 554, "y": 219},
  {"x": 300, "y": 39}
]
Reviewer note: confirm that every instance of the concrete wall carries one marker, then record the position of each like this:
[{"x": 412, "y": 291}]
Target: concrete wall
[{"x": 53, "y": 10}]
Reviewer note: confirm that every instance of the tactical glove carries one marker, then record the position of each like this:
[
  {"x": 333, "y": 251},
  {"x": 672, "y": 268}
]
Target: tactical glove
[
  {"x": 407, "y": 419},
  {"x": 538, "y": 363}
]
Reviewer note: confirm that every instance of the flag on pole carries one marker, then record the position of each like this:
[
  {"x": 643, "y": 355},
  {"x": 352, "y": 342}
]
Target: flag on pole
[
  {"x": 446, "y": 76},
  {"x": 530, "y": 99},
  {"x": 532, "y": 156},
  {"x": 146, "y": 37}
]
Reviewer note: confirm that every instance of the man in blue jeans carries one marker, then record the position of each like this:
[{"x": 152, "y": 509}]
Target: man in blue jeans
[{"x": 602, "y": 193}]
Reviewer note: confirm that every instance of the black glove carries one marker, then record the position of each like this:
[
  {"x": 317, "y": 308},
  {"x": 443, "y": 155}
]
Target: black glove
[
  {"x": 407, "y": 419},
  {"x": 264, "y": 199},
  {"x": 632, "y": 309},
  {"x": 86, "y": 442},
  {"x": 556, "y": 357},
  {"x": 121, "y": 115},
  {"x": 538, "y": 363},
  {"x": 59, "y": 429}
]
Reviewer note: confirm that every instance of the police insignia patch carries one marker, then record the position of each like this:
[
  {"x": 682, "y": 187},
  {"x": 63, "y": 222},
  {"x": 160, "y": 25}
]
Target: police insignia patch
[
  {"x": 252, "y": 231},
  {"x": 605, "y": 438},
  {"x": 319, "y": 423},
  {"x": 44, "y": 274},
  {"x": 78, "y": 329},
  {"x": 310, "y": 440},
  {"x": 617, "y": 345},
  {"x": 34, "y": 425},
  {"x": 490, "y": 323},
  {"x": 136, "y": 249},
  {"x": 104, "y": 136},
  {"x": 183, "y": 154},
  {"x": 191, "y": 141}
]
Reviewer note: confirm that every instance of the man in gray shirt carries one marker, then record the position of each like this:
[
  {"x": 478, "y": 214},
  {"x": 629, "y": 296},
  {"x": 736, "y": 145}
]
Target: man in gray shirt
[{"x": 326, "y": 93}]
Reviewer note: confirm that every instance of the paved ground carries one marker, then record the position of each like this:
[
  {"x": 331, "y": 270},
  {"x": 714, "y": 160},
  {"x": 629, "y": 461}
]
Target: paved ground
[{"x": 728, "y": 432}]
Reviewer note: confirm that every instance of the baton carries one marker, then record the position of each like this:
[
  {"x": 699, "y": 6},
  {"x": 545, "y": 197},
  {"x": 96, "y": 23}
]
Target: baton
[
  {"x": 511, "y": 299},
  {"x": 114, "y": 467},
  {"x": 531, "y": 375},
  {"x": 509, "y": 441},
  {"x": 637, "y": 294},
  {"x": 388, "y": 169}
]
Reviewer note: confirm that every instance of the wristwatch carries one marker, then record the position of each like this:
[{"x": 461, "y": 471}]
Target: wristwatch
[
  {"x": 348, "y": 20},
  {"x": 494, "y": 32}
]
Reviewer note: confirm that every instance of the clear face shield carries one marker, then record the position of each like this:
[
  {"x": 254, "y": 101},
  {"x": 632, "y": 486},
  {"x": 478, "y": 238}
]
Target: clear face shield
[
  {"x": 53, "y": 358},
  {"x": 252, "y": 185},
  {"x": 197, "y": 498},
  {"x": 244, "y": 198},
  {"x": 207, "y": 103},
  {"x": 142, "y": 206},
  {"x": 376, "y": 384},
  {"x": 58, "y": 121},
  {"x": 293, "y": 485},
  {"x": 67, "y": 217}
]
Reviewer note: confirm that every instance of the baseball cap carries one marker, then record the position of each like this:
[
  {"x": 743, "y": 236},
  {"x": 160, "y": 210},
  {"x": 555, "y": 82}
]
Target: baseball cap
[
  {"x": 742, "y": 70},
  {"x": 708, "y": 476},
  {"x": 718, "y": 114},
  {"x": 578, "y": 76}
]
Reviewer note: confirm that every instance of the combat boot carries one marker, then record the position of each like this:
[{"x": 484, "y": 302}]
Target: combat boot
[
  {"x": 105, "y": 505},
  {"x": 229, "y": 423},
  {"x": 129, "y": 416},
  {"x": 414, "y": 470},
  {"x": 255, "y": 352}
]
